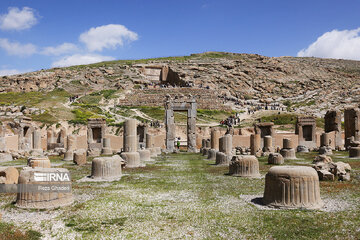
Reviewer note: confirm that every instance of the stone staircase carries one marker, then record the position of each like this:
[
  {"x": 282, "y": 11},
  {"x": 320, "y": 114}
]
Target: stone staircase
[{"x": 206, "y": 98}]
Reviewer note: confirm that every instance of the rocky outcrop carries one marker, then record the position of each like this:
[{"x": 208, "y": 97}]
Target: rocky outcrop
[{"x": 232, "y": 77}]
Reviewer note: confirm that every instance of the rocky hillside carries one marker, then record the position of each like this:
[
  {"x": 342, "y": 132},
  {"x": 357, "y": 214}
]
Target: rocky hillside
[{"x": 300, "y": 83}]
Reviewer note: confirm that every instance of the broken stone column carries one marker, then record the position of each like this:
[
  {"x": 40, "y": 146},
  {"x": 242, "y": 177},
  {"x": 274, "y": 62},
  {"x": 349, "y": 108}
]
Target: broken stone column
[
  {"x": 292, "y": 187},
  {"x": 215, "y": 135},
  {"x": 223, "y": 157},
  {"x": 106, "y": 168},
  {"x": 80, "y": 157},
  {"x": 352, "y": 125},
  {"x": 214, "y": 142},
  {"x": 327, "y": 169},
  {"x": 244, "y": 166},
  {"x": 275, "y": 158},
  {"x": 28, "y": 198},
  {"x": 354, "y": 149},
  {"x": 37, "y": 148},
  {"x": 71, "y": 142},
  {"x": 150, "y": 145},
  {"x": 288, "y": 152},
  {"x": 106, "y": 150},
  {"x": 268, "y": 144},
  {"x": 144, "y": 156},
  {"x": 130, "y": 154},
  {"x": 325, "y": 148},
  {"x": 191, "y": 125},
  {"x": 207, "y": 147},
  {"x": 43, "y": 162},
  {"x": 255, "y": 142},
  {"x": 333, "y": 124}
]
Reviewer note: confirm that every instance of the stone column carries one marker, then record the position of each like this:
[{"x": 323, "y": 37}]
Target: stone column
[
  {"x": 268, "y": 145},
  {"x": 191, "y": 127},
  {"x": 37, "y": 140},
  {"x": 71, "y": 142},
  {"x": 255, "y": 142},
  {"x": 288, "y": 152},
  {"x": 170, "y": 129},
  {"x": 130, "y": 136},
  {"x": 149, "y": 140},
  {"x": 106, "y": 150},
  {"x": 225, "y": 144},
  {"x": 324, "y": 140},
  {"x": 130, "y": 154},
  {"x": 215, "y": 135},
  {"x": 37, "y": 149},
  {"x": 325, "y": 147}
]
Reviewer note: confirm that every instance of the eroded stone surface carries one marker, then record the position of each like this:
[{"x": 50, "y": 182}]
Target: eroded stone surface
[
  {"x": 39, "y": 200},
  {"x": 244, "y": 166},
  {"x": 292, "y": 187}
]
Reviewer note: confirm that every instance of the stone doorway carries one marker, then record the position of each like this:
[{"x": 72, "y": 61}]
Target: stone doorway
[{"x": 185, "y": 105}]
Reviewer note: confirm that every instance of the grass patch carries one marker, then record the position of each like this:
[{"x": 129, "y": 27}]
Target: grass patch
[
  {"x": 280, "y": 119},
  {"x": 9, "y": 231},
  {"x": 31, "y": 99},
  {"x": 45, "y": 118}
]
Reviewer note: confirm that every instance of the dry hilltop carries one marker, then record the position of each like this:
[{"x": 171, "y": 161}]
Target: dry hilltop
[{"x": 221, "y": 81}]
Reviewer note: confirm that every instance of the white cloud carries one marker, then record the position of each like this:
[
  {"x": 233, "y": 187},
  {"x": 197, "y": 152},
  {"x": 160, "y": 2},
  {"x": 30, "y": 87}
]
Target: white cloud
[
  {"x": 8, "y": 72},
  {"x": 60, "y": 49},
  {"x": 335, "y": 44},
  {"x": 17, "y": 49},
  {"x": 107, "y": 36},
  {"x": 78, "y": 59},
  {"x": 17, "y": 19}
]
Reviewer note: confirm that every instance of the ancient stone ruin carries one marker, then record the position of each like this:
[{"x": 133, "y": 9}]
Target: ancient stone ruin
[
  {"x": 107, "y": 168},
  {"x": 43, "y": 162},
  {"x": 275, "y": 158},
  {"x": 130, "y": 154},
  {"x": 106, "y": 150},
  {"x": 264, "y": 129},
  {"x": 150, "y": 145},
  {"x": 9, "y": 175},
  {"x": 292, "y": 187},
  {"x": 352, "y": 125},
  {"x": 244, "y": 166},
  {"x": 95, "y": 135},
  {"x": 325, "y": 148},
  {"x": 328, "y": 170},
  {"x": 71, "y": 142},
  {"x": 186, "y": 105},
  {"x": 333, "y": 125},
  {"x": 224, "y": 156},
  {"x": 214, "y": 144},
  {"x": 354, "y": 149},
  {"x": 268, "y": 144},
  {"x": 255, "y": 144},
  {"x": 80, "y": 157},
  {"x": 288, "y": 152},
  {"x": 28, "y": 197},
  {"x": 306, "y": 130}
]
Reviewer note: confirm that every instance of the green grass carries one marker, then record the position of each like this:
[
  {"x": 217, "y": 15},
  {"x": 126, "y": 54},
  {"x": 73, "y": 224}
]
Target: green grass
[
  {"x": 185, "y": 196},
  {"x": 9, "y": 231},
  {"x": 81, "y": 116},
  {"x": 33, "y": 99},
  {"x": 280, "y": 119},
  {"x": 45, "y": 117}
]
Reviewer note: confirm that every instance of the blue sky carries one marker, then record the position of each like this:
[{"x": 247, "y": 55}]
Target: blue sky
[{"x": 40, "y": 34}]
